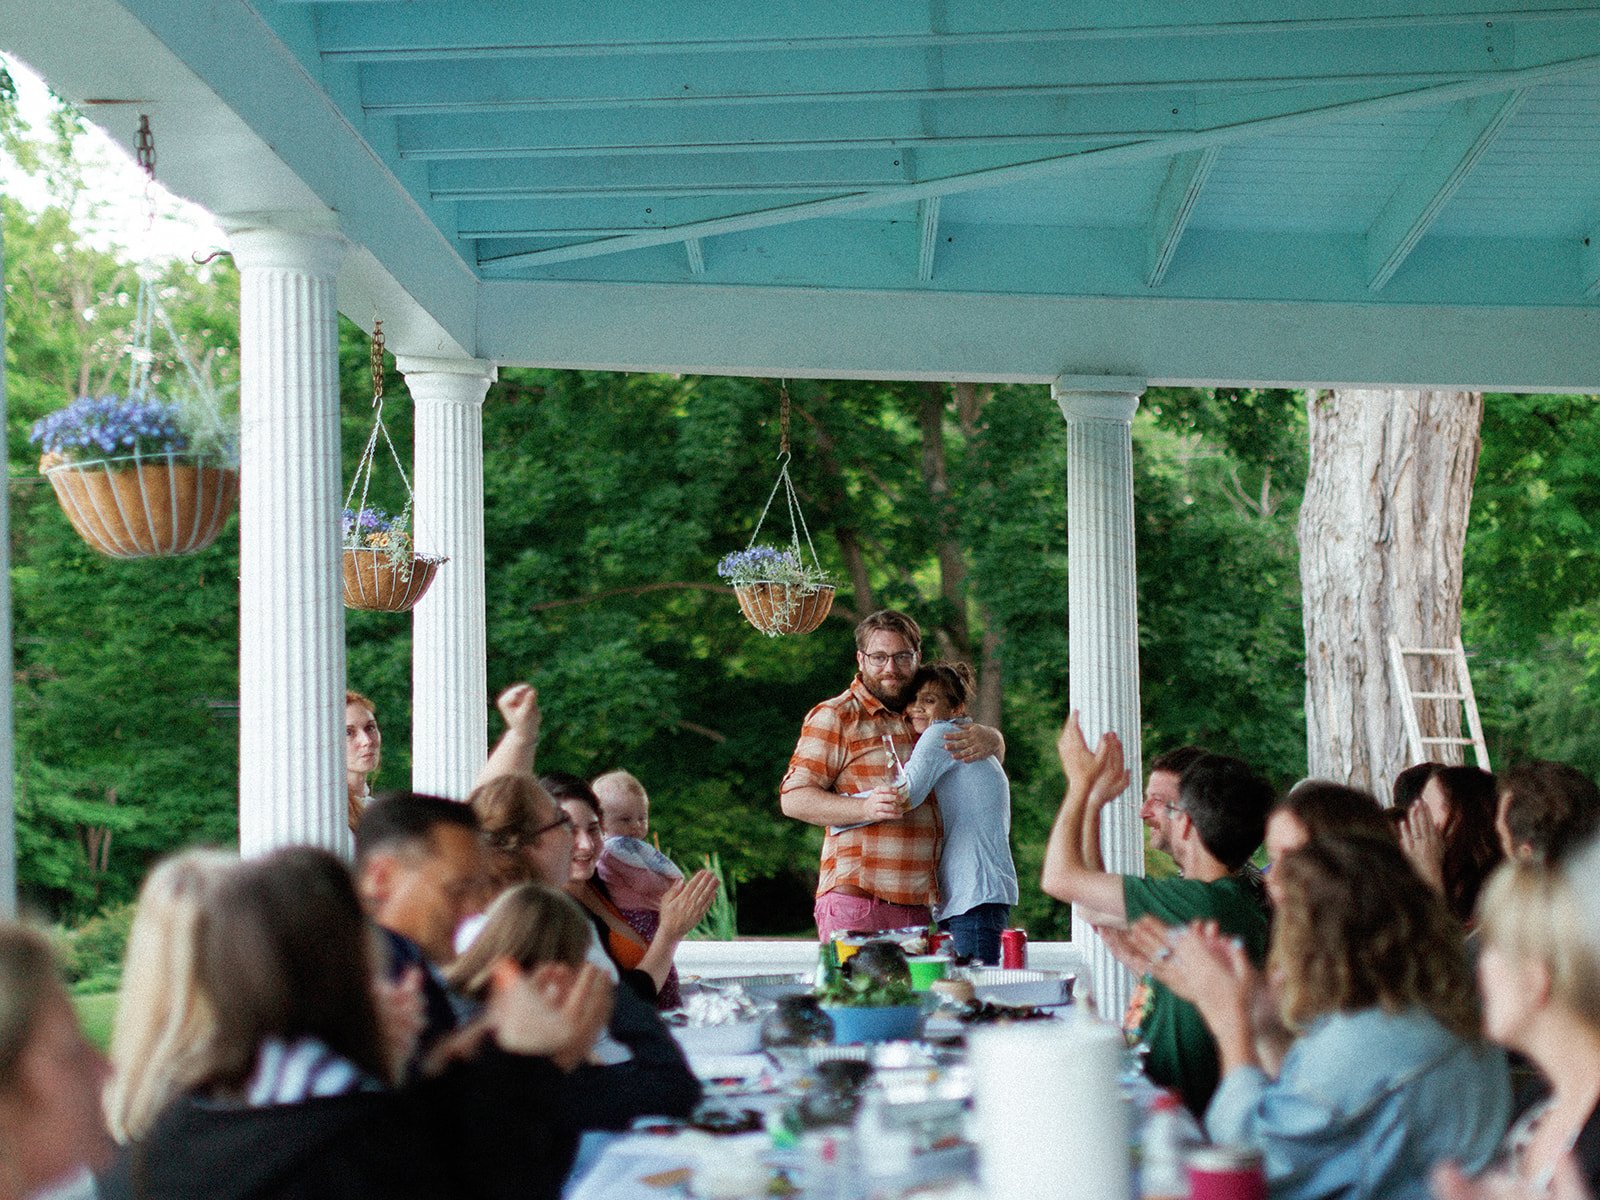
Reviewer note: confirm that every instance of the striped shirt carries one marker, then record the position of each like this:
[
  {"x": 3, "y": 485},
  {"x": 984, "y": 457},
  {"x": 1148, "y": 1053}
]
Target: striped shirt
[
  {"x": 292, "y": 1072},
  {"x": 841, "y": 750}
]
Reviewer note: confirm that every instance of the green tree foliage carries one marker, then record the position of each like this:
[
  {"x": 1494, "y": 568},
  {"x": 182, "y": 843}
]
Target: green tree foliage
[
  {"x": 1532, "y": 586},
  {"x": 126, "y": 672}
]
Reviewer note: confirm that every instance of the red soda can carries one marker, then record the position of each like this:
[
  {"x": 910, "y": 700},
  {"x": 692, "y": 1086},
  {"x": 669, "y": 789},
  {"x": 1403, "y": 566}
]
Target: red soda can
[
  {"x": 1014, "y": 948},
  {"x": 1225, "y": 1173},
  {"x": 937, "y": 940}
]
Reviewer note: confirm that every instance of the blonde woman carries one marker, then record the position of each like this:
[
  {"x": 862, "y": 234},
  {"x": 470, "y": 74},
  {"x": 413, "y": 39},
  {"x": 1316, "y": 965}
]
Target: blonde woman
[
  {"x": 638, "y": 1071},
  {"x": 1387, "y": 1077},
  {"x": 165, "y": 1023},
  {"x": 528, "y": 925},
  {"x": 51, "y": 1126},
  {"x": 1539, "y": 976}
]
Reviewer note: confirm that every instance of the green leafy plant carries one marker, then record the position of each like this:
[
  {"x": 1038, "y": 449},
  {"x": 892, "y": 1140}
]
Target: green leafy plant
[
  {"x": 866, "y": 992},
  {"x": 721, "y": 922}
]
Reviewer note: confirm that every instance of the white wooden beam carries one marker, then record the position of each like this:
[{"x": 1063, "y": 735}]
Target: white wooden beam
[
  {"x": 1180, "y": 191},
  {"x": 690, "y": 327},
  {"x": 929, "y": 212},
  {"x": 1450, "y": 155}
]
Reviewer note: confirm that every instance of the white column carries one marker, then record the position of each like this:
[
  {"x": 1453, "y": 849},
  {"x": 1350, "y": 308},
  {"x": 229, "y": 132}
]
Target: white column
[
  {"x": 449, "y": 671},
  {"x": 291, "y": 606},
  {"x": 1103, "y": 622}
]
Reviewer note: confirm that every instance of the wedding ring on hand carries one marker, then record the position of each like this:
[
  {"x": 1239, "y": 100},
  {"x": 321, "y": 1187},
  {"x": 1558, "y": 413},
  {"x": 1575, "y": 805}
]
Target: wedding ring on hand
[{"x": 1162, "y": 954}]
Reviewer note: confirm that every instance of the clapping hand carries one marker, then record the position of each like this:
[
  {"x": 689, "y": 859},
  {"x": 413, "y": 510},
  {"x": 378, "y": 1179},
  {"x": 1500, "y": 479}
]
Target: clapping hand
[
  {"x": 685, "y": 904},
  {"x": 1451, "y": 1183},
  {"x": 1198, "y": 962},
  {"x": 1103, "y": 771},
  {"x": 1423, "y": 846},
  {"x": 553, "y": 1011}
]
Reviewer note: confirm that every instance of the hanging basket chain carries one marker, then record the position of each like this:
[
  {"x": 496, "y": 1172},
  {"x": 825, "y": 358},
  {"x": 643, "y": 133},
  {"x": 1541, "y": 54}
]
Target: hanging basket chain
[
  {"x": 783, "y": 419},
  {"x": 797, "y": 521},
  {"x": 363, "y": 475},
  {"x": 144, "y": 152}
]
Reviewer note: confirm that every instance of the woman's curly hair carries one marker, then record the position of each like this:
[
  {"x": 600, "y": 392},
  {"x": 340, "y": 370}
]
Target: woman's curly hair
[{"x": 1358, "y": 929}]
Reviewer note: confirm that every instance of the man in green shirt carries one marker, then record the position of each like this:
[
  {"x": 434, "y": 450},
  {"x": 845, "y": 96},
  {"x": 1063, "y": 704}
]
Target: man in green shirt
[{"x": 1216, "y": 824}]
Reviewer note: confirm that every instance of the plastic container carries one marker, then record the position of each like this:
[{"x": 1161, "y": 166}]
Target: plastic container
[
  {"x": 927, "y": 970},
  {"x": 866, "y": 1025}
]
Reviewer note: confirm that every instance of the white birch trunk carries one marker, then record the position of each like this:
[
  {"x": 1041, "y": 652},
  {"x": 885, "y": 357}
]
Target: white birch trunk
[{"x": 1381, "y": 534}]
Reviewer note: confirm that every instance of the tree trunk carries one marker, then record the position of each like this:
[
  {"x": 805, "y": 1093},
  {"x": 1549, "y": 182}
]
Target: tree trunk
[
  {"x": 971, "y": 400},
  {"x": 844, "y": 530},
  {"x": 1381, "y": 534},
  {"x": 955, "y": 635}
]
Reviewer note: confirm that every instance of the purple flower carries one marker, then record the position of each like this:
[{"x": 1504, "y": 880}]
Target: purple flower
[{"x": 111, "y": 426}]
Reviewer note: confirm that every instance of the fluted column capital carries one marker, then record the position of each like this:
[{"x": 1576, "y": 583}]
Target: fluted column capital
[
  {"x": 301, "y": 242},
  {"x": 445, "y": 379},
  {"x": 1098, "y": 397}
]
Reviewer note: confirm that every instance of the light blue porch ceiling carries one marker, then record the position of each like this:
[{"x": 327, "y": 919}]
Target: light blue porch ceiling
[{"x": 1225, "y": 191}]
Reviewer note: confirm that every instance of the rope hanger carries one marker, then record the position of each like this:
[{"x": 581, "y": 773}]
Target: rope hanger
[
  {"x": 363, "y": 473},
  {"x": 797, "y": 520}
]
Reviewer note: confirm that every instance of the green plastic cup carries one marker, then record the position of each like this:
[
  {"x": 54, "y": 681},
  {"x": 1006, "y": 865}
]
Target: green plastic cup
[{"x": 927, "y": 970}]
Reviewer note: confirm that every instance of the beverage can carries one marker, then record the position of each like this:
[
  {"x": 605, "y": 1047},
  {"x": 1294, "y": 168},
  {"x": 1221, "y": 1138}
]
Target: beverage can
[
  {"x": 937, "y": 940},
  {"x": 1225, "y": 1173},
  {"x": 1014, "y": 948}
]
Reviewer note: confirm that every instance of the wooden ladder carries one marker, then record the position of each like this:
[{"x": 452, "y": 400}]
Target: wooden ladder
[{"x": 1454, "y": 659}]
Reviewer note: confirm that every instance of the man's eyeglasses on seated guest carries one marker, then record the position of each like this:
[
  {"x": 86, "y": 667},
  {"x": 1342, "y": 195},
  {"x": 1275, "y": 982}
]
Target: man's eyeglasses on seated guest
[
  {"x": 879, "y": 661},
  {"x": 561, "y": 818}
]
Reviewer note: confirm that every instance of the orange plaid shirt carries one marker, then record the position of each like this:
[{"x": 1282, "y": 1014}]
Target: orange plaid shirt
[{"x": 841, "y": 750}]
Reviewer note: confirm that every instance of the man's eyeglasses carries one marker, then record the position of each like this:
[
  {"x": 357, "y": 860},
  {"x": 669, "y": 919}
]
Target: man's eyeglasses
[
  {"x": 879, "y": 661},
  {"x": 560, "y": 820}
]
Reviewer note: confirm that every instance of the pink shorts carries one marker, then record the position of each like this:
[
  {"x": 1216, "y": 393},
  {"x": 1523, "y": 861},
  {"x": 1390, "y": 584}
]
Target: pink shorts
[{"x": 836, "y": 912}]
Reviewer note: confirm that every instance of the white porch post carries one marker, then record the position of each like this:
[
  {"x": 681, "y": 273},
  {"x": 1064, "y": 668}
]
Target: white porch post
[
  {"x": 1103, "y": 623},
  {"x": 291, "y": 611},
  {"x": 449, "y": 670}
]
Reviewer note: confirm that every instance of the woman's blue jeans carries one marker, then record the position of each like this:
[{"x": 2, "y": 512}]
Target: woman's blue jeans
[{"x": 976, "y": 932}]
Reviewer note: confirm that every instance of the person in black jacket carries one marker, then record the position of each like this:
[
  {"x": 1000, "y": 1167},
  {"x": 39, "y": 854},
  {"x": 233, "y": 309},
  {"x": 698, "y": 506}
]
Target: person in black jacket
[
  {"x": 296, "y": 1100},
  {"x": 532, "y": 924},
  {"x": 418, "y": 862}
]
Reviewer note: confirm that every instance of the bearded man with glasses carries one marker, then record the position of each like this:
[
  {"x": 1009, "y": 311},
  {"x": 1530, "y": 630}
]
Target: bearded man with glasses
[{"x": 879, "y": 861}]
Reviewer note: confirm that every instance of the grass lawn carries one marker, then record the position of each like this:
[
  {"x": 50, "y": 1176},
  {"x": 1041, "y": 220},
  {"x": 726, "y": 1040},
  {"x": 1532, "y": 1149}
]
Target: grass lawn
[{"x": 96, "y": 1012}]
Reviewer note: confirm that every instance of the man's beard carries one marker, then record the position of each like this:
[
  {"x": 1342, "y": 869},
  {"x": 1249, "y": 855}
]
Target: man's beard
[{"x": 893, "y": 701}]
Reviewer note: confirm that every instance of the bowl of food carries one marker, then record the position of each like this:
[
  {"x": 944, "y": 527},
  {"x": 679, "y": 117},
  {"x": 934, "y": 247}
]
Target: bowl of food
[
  {"x": 873, "y": 1001},
  {"x": 888, "y": 1023}
]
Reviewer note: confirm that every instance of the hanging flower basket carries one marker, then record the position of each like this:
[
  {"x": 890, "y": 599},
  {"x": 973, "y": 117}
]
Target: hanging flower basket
[
  {"x": 382, "y": 570},
  {"x": 377, "y": 580},
  {"x": 144, "y": 506},
  {"x": 779, "y": 608},
  {"x": 141, "y": 477},
  {"x": 779, "y": 591}
]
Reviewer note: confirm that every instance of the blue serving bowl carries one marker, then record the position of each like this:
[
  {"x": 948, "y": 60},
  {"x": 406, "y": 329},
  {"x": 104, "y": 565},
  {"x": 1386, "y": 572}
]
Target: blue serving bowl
[{"x": 851, "y": 1025}]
